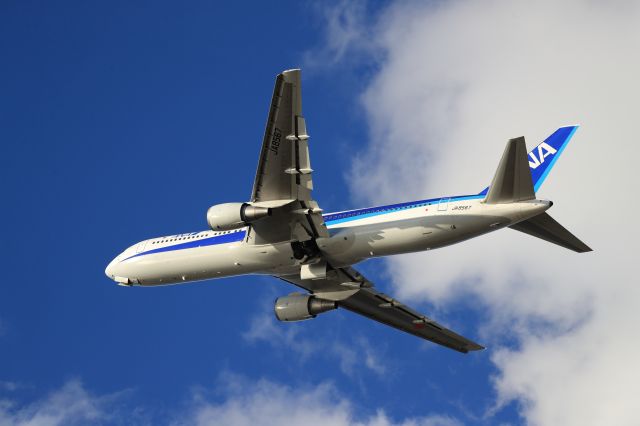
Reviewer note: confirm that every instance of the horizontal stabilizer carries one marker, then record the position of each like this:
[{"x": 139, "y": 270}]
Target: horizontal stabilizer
[
  {"x": 512, "y": 181},
  {"x": 545, "y": 227}
]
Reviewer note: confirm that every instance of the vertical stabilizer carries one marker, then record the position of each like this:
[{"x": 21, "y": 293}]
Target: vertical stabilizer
[
  {"x": 543, "y": 157},
  {"x": 512, "y": 181}
]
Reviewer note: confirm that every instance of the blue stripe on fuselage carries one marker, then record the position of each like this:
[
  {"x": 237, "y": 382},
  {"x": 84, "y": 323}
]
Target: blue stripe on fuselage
[
  {"x": 217, "y": 239},
  {"x": 330, "y": 219},
  {"x": 348, "y": 216}
]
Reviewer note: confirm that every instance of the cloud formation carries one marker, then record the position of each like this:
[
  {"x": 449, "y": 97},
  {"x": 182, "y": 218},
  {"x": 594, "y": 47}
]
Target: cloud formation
[
  {"x": 346, "y": 38},
  {"x": 237, "y": 401},
  {"x": 71, "y": 404},
  {"x": 356, "y": 358},
  {"x": 458, "y": 79},
  {"x": 248, "y": 403}
]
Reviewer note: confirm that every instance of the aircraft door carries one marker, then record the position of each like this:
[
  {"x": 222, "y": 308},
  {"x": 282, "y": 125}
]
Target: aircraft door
[
  {"x": 443, "y": 204},
  {"x": 140, "y": 247}
]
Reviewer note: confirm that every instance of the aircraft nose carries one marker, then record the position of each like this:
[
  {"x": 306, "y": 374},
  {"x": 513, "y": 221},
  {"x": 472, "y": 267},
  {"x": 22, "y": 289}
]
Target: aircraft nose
[
  {"x": 110, "y": 270},
  {"x": 117, "y": 273},
  {"x": 114, "y": 269}
]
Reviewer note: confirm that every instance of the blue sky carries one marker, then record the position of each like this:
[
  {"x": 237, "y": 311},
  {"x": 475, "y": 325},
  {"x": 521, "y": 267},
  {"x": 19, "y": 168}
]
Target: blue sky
[{"x": 126, "y": 120}]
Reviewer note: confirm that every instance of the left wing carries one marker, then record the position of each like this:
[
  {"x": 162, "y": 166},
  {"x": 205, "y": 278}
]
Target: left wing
[
  {"x": 384, "y": 309},
  {"x": 352, "y": 291},
  {"x": 283, "y": 179}
]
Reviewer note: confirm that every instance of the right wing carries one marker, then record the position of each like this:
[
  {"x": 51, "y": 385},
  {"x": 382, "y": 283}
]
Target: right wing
[{"x": 360, "y": 297}]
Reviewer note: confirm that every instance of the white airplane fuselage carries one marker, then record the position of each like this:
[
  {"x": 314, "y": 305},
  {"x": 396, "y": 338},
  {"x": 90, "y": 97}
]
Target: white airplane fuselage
[
  {"x": 283, "y": 232},
  {"x": 356, "y": 235}
]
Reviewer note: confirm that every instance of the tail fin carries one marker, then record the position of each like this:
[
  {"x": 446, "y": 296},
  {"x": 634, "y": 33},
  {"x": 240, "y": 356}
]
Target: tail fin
[
  {"x": 545, "y": 227},
  {"x": 518, "y": 177},
  {"x": 543, "y": 157},
  {"x": 512, "y": 181}
]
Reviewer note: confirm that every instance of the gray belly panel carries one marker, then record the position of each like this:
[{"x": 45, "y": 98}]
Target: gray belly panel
[{"x": 354, "y": 244}]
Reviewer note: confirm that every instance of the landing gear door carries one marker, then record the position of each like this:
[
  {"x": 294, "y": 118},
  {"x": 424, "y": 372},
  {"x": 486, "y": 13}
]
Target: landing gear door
[{"x": 443, "y": 204}]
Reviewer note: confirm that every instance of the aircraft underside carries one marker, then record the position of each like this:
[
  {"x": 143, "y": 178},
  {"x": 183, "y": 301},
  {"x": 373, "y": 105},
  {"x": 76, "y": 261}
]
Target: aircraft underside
[{"x": 282, "y": 232}]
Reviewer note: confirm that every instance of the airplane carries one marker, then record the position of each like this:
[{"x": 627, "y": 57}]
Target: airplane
[{"x": 283, "y": 232}]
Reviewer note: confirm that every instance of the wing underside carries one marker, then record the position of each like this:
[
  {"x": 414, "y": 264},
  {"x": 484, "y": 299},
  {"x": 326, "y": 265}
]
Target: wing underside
[
  {"x": 284, "y": 184},
  {"x": 284, "y": 169},
  {"x": 283, "y": 179},
  {"x": 382, "y": 308},
  {"x": 359, "y": 296}
]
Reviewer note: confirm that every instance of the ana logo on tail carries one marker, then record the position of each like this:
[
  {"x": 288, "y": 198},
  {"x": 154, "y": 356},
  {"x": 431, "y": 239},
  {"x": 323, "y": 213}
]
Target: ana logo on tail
[{"x": 544, "y": 150}]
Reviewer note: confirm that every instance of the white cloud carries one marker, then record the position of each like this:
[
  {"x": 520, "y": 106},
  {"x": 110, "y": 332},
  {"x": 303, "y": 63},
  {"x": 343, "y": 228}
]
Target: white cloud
[
  {"x": 355, "y": 358},
  {"x": 457, "y": 80},
  {"x": 268, "y": 403},
  {"x": 346, "y": 36},
  {"x": 263, "y": 328},
  {"x": 357, "y": 354},
  {"x": 234, "y": 401},
  {"x": 69, "y": 405}
]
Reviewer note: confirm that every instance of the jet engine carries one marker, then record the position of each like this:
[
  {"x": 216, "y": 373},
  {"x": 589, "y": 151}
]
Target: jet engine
[
  {"x": 229, "y": 216},
  {"x": 298, "y": 307}
]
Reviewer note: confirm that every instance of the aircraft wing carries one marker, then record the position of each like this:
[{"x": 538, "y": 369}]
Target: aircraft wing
[
  {"x": 363, "y": 299},
  {"x": 382, "y": 308},
  {"x": 284, "y": 170},
  {"x": 283, "y": 179}
]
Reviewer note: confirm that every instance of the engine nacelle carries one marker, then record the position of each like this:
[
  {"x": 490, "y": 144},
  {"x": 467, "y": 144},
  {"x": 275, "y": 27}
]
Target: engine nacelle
[
  {"x": 298, "y": 307},
  {"x": 228, "y": 216}
]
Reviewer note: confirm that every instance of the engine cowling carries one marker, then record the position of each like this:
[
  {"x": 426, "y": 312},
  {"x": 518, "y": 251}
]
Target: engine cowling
[
  {"x": 299, "y": 307},
  {"x": 228, "y": 216}
]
